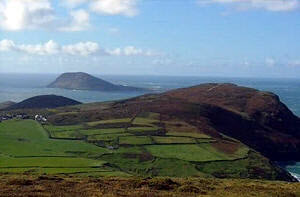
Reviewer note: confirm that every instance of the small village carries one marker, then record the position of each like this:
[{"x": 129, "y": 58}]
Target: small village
[{"x": 23, "y": 116}]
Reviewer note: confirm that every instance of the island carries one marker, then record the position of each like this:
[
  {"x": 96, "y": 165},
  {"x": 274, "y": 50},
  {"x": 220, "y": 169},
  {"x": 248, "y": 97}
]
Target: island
[{"x": 84, "y": 81}]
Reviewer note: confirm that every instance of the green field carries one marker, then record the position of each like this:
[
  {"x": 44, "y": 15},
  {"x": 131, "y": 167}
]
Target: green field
[
  {"x": 26, "y": 143},
  {"x": 173, "y": 140},
  {"x": 50, "y": 162},
  {"x": 135, "y": 140},
  {"x": 28, "y": 138},
  {"x": 142, "y": 129},
  {"x": 71, "y": 132},
  {"x": 188, "y": 134},
  {"x": 145, "y": 121},
  {"x": 101, "y": 148},
  {"x": 123, "y": 120},
  {"x": 107, "y": 137},
  {"x": 53, "y": 128},
  {"x": 193, "y": 152},
  {"x": 102, "y": 131}
]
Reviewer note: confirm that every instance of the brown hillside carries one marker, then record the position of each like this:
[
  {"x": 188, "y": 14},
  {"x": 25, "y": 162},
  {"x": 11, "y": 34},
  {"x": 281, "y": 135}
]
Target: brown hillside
[{"x": 256, "y": 118}]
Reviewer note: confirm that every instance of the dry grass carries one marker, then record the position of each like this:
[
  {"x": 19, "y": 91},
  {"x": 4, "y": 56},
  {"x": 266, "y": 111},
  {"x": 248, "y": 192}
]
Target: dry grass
[{"x": 73, "y": 186}]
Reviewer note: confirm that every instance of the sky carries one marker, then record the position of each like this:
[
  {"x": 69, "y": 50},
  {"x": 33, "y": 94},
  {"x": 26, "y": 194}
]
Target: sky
[{"x": 231, "y": 38}]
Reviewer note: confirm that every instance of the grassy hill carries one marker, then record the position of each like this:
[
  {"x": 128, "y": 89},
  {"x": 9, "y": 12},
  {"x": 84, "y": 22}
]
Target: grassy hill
[
  {"x": 175, "y": 134},
  {"x": 136, "y": 146}
]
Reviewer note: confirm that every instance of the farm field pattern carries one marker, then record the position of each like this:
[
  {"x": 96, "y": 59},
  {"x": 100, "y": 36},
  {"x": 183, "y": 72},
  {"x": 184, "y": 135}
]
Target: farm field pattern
[{"x": 142, "y": 145}]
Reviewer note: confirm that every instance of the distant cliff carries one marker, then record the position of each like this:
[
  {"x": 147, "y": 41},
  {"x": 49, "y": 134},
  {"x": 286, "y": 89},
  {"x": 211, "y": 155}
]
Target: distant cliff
[
  {"x": 84, "y": 81},
  {"x": 44, "y": 101}
]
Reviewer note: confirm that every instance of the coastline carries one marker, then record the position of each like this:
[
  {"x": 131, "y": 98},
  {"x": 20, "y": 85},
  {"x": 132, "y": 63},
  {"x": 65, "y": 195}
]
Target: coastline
[
  {"x": 290, "y": 167},
  {"x": 295, "y": 175}
]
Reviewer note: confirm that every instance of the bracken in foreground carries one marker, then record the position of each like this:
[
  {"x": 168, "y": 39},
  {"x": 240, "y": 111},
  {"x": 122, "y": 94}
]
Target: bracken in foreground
[{"x": 23, "y": 185}]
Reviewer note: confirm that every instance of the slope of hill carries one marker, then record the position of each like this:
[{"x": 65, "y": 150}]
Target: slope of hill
[
  {"x": 139, "y": 146},
  {"x": 44, "y": 101},
  {"x": 84, "y": 81},
  {"x": 6, "y": 104},
  {"x": 210, "y": 130},
  {"x": 258, "y": 118}
]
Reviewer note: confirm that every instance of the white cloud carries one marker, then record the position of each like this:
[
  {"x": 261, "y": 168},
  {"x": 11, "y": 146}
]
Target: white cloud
[
  {"x": 81, "y": 48},
  {"x": 77, "y": 49},
  {"x": 108, "y": 7},
  {"x": 291, "y": 63},
  {"x": 131, "y": 51},
  {"x": 7, "y": 45},
  {"x": 270, "y": 61},
  {"x": 116, "y": 52},
  {"x": 162, "y": 61},
  {"x": 16, "y": 15},
  {"x": 115, "y": 7},
  {"x": 269, "y": 5},
  {"x": 49, "y": 48},
  {"x": 246, "y": 63},
  {"x": 20, "y": 14},
  {"x": 80, "y": 21}
]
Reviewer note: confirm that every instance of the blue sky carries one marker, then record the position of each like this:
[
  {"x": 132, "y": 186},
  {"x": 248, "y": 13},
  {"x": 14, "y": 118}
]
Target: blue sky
[{"x": 234, "y": 38}]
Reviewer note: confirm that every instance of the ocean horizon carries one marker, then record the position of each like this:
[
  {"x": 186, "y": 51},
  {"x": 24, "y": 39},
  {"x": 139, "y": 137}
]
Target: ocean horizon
[{"x": 17, "y": 87}]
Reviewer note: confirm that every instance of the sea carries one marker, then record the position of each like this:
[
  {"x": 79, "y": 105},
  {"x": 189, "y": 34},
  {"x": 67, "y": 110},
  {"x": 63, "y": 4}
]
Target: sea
[{"x": 17, "y": 87}]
